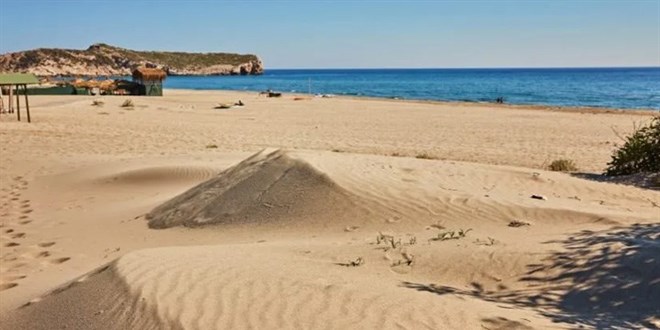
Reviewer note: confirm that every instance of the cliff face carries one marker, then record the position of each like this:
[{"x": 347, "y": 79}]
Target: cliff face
[{"x": 106, "y": 60}]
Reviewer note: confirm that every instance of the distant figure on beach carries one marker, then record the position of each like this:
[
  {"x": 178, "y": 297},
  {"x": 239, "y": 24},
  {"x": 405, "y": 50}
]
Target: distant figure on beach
[
  {"x": 499, "y": 100},
  {"x": 240, "y": 103}
]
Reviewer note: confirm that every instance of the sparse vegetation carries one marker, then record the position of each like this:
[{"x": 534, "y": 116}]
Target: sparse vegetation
[
  {"x": 393, "y": 243},
  {"x": 425, "y": 155},
  {"x": 127, "y": 104},
  {"x": 355, "y": 263},
  {"x": 407, "y": 259},
  {"x": 120, "y": 58},
  {"x": 517, "y": 223},
  {"x": 563, "y": 165},
  {"x": 490, "y": 242},
  {"x": 450, "y": 235},
  {"x": 640, "y": 153}
]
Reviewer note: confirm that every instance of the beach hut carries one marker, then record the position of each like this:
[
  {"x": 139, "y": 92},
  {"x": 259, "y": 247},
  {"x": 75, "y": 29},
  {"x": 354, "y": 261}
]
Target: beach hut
[
  {"x": 13, "y": 82},
  {"x": 149, "y": 80}
]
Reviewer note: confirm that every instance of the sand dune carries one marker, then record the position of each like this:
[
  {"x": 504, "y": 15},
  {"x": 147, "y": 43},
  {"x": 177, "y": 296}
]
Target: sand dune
[
  {"x": 268, "y": 187},
  {"x": 314, "y": 238}
]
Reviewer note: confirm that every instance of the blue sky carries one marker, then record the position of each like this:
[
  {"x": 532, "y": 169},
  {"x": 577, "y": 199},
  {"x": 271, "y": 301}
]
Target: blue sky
[{"x": 353, "y": 34}]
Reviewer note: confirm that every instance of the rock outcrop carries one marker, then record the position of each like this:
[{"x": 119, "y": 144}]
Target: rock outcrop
[{"x": 106, "y": 60}]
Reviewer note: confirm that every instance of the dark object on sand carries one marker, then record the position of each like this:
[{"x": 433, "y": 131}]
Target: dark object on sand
[
  {"x": 239, "y": 103},
  {"x": 274, "y": 94},
  {"x": 539, "y": 197},
  {"x": 223, "y": 106},
  {"x": 516, "y": 223}
]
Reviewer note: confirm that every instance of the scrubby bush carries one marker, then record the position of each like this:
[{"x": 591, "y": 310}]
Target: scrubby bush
[
  {"x": 562, "y": 165},
  {"x": 640, "y": 152}
]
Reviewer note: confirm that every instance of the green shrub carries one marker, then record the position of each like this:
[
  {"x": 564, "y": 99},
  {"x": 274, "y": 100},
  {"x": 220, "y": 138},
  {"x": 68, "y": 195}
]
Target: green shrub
[
  {"x": 640, "y": 153},
  {"x": 563, "y": 165}
]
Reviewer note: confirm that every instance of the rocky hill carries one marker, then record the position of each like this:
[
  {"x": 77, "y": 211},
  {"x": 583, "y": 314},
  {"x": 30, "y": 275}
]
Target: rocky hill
[{"x": 102, "y": 59}]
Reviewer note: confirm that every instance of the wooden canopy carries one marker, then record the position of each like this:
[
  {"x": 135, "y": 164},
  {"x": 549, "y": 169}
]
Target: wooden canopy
[
  {"x": 20, "y": 80},
  {"x": 149, "y": 74}
]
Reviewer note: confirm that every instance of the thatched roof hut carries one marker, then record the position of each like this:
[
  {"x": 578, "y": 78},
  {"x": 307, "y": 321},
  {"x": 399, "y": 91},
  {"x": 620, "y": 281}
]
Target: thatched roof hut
[
  {"x": 149, "y": 80},
  {"x": 149, "y": 74}
]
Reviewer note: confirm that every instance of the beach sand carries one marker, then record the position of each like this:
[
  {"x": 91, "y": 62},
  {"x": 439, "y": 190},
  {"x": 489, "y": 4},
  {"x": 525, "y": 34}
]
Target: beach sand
[{"x": 321, "y": 213}]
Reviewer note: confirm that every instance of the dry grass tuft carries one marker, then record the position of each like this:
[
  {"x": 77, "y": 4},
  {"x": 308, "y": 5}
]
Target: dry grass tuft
[
  {"x": 563, "y": 165},
  {"x": 450, "y": 235},
  {"x": 425, "y": 155},
  {"x": 516, "y": 224},
  {"x": 355, "y": 263}
]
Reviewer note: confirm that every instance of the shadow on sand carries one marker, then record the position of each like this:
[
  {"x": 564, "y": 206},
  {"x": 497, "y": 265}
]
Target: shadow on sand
[
  {"x": 641, "y": 180},
  {"x": 603, "y": 279}
]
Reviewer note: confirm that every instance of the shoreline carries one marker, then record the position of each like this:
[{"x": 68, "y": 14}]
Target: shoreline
[{"x": 554, "y": 108}]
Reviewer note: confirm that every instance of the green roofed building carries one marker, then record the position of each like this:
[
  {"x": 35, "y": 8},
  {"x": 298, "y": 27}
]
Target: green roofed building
[{"x": 12, "y": 83}]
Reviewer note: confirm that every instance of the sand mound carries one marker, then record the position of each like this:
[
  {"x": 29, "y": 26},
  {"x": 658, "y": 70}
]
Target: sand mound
[{"x": 265, "y": 188}]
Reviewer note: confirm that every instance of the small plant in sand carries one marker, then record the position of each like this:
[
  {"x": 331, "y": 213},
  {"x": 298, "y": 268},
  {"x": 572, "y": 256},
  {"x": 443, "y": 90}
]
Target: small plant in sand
[
  {"x": 451, "y": 235},
  {"x": 211, "y": 146},
  {"x": 517, "y": 223},
  {"x": 489, "y": 242},
  {"x": 127, "y": 104},
  {"x": 97, "y": 103},
  {"x": 388, "y": 240},
  {"x": 354, "y": 263},
  {"x": 563, "y": 165},
  {"x": 392, "y": 243},
  {"x": 407, "y": 259}
]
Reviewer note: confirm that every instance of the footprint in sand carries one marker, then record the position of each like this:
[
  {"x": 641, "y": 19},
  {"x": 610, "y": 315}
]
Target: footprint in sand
[
  {"x": 8, "y": 231},
  {"x": 23, "y": 217},
  {"x": 42, "y": 254},
  {"x": 26, "y": 211},
  {"x": 24, "y": 222},
  {"x": 12, "y": 244},
  {"x": 46, "y": 244},
  {"x": 14, "y": 277},
  {"x": 18, "y": 235},
  {"x": 60, "y": 260},
  {"x": 5, "y": 286}
]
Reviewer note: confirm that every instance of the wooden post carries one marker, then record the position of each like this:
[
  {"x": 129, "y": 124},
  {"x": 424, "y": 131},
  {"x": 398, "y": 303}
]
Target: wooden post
[
  {"x": 10, "y": 101},
  {"x": 27, "y": 105},
  {"x": 18, "y": 104}
]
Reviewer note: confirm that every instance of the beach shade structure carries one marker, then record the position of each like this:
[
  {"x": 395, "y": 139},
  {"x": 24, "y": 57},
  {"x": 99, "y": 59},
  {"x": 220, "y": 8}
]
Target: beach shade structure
[
  {"x": 149, "y": 80},
  {"x": 13, "y": 82}
]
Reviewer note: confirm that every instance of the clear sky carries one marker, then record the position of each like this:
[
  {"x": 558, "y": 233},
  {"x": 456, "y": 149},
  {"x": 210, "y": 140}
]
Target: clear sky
[{"x": 353, "y": 34}]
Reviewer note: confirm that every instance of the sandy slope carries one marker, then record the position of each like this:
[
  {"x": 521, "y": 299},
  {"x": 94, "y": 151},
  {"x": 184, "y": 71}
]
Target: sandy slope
[{"x": 302, "y": 237}]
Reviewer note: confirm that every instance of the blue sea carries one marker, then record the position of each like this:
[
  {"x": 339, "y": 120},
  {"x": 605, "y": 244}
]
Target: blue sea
[{"x": 631, "y": 88}]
